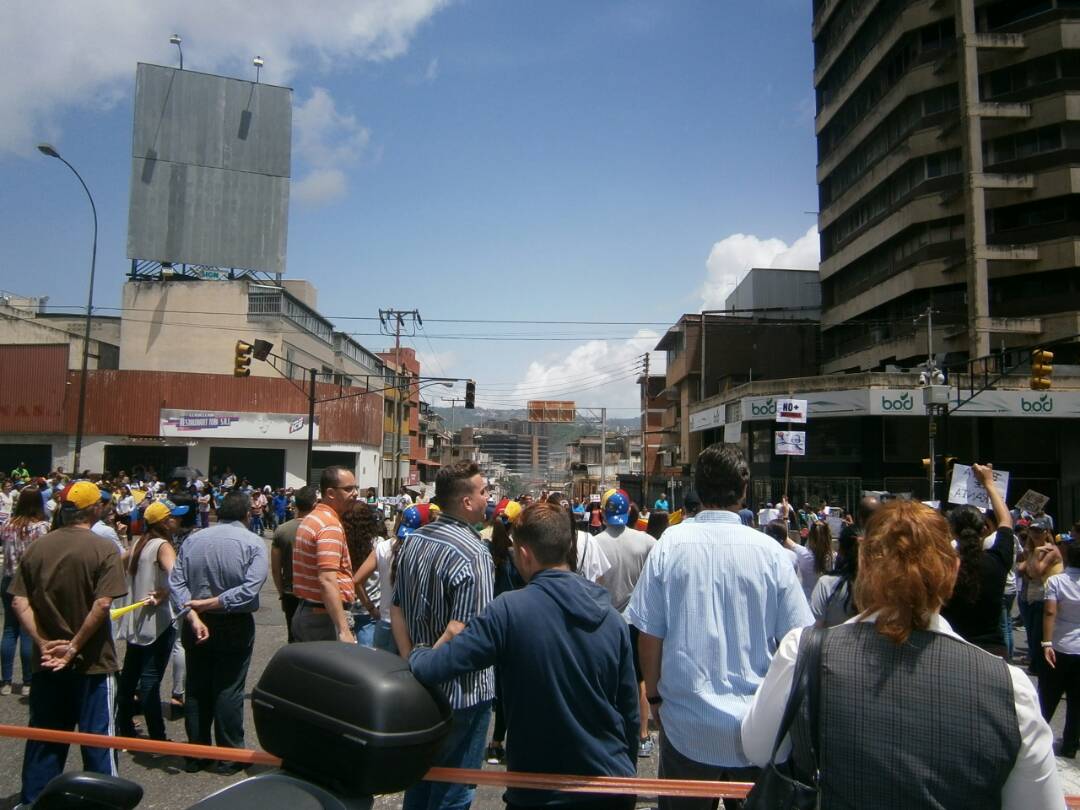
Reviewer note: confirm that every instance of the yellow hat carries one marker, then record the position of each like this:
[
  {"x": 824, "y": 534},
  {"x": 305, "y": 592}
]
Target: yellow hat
[
  {"x": 82, "y": 494},
  {"x": 159, "y": 510}
]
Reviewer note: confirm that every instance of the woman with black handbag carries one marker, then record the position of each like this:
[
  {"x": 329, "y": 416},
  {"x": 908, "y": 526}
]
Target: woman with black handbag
[{"x": 898, "y": 723}]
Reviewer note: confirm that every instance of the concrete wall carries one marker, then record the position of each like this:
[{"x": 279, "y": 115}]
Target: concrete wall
[{"x": 18, "y": 327}]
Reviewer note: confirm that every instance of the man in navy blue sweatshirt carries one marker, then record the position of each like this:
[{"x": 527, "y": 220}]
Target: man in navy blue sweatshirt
[{"x": 569, "y": 689}]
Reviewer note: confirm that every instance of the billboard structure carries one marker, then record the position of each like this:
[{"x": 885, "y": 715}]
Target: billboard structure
[
  {"x": 210, "y": 169},
  {"x": 551, "y": 410}
]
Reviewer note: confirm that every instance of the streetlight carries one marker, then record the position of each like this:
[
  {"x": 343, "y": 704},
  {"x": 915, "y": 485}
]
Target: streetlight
[
  {"x": 175, "y": 40},
  {"x": 49, "y": 151}
]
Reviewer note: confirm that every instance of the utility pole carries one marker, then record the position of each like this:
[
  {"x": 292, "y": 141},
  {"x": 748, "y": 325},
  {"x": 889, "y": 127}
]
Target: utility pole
[
  {"x": 932, "y": 426},
  {"x": 603, "y": 448},
  {"x": 395, "y": 319},
  {"x": 645, "y": 436},
  {"x": 310, "y": 423},
  {"x": 453, "y": 410}
]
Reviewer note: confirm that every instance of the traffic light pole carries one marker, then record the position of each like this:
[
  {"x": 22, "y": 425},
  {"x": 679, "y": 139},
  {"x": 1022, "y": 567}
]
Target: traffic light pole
[{"x": 310, "y": 423}]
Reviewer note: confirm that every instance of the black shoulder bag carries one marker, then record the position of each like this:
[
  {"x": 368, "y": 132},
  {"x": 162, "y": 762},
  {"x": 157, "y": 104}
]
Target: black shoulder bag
[{"x": 779, "y": 787}]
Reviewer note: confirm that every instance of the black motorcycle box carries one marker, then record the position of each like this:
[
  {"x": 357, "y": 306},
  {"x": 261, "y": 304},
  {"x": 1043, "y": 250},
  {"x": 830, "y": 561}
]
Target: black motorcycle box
[{"x": 349, "y": 717}]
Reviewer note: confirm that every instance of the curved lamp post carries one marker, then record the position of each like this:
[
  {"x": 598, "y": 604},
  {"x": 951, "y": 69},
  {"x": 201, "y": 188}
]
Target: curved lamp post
[{"x": 49, "y": 151}]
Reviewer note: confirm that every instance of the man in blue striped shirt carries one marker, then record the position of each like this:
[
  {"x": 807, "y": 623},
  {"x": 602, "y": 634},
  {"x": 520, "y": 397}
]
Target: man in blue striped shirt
[
  {"x": 714, "y": 600},
  {"x": 445, "y": 577}
]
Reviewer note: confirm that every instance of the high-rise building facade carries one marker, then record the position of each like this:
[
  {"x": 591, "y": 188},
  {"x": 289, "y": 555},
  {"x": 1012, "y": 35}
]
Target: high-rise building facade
[{"x": 949, "y": 177}]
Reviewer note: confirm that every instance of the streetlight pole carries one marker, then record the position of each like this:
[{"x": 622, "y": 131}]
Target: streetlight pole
[{"x": 49, "y": 151}]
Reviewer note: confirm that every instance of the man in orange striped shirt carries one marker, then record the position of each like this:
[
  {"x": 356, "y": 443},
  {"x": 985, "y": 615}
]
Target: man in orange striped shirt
[{"x": 322, "y": 570}]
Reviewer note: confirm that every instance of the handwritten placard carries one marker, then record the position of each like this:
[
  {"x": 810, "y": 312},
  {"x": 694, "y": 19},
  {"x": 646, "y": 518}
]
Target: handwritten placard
[{"x": 964, "y": 488}]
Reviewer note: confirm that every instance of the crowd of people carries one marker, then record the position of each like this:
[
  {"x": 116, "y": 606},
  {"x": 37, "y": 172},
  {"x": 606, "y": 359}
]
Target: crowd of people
[{"x": 579, "y": 624}]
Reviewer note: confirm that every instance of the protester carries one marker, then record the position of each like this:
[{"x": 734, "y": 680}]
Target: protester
[
  {"x": 1061, "y": 649},
  {"x": 445, "y": 573},
  {"x": 661, "y": 504},
  {"x": 63, "y": 589},
  {"x": 819, "y": 543},
  {"x": 1042, "y": 560},
  {"x": 627, "y": 549},
  {"x": 218, "y": 575},
  {"x": 702, "y": 663},
  {"x": 149, "y": 631},
  {"x": 361, "y": 532},
  {"x": 26, "y": 524},
  {"x": 281, "y": 555},
  {"x": 657, "y": 524},
  {"x": 322, "y": 568},
  {"x": 974, "y": 609},
  {"x": 571, "y": 699},
  {"x": 911, "y": 715}
]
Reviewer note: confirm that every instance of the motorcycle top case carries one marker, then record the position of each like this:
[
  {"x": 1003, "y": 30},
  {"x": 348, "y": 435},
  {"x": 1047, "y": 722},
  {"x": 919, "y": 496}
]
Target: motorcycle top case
[{"x": 349, "y": 717}]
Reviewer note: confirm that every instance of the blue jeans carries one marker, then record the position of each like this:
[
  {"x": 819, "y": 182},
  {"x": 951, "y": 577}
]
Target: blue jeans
[
  {"x": 13, "y": 635},
  {"x": 256, "y": 525},
  {"x": 1006, "y": 623},
  {"x": 384, "y": 638},
  {"x": 63, "y": 701},
  {"x": 464, "y": 748},
  {"x": 144, "y": 667},
  {"x": 364, "y": 628}
]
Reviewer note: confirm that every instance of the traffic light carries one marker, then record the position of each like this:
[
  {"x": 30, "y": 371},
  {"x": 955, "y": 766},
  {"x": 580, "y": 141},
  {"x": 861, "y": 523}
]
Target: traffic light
[
  {"x": 948, "y": 462},
  {"x": 262, "y": 349},
  {"x": 470, "y": 394},
  {"x": 1042, "y": 369},
  {"x": 242, "y": 366}
]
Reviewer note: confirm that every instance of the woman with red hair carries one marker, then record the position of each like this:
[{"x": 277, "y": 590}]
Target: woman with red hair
[{"x": 910, "y": 714}]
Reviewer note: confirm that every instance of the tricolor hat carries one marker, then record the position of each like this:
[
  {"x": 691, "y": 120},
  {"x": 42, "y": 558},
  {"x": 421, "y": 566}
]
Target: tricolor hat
[
  {"x": 616, "y": 506},
  {"x": 508, "y": 510},
  {"x": 159, "y": 510},
  {"x": 413, "y": 518}
]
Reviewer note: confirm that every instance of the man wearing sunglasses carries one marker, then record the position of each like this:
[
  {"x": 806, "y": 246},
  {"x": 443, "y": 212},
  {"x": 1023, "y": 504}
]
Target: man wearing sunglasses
[{"x": 322, "y": 570}]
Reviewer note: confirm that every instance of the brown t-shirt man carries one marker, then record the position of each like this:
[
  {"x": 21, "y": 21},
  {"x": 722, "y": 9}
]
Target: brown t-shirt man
[{"x": 61, "y": 575}]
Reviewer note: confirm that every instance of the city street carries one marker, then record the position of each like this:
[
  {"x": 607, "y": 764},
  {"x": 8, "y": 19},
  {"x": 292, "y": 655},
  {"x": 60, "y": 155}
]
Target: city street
[{"x": 168, "y": 786}]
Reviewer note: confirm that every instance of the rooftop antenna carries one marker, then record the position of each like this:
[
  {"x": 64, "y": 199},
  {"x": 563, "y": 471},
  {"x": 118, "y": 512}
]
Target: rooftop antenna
[{"x": 258, "y": 63}]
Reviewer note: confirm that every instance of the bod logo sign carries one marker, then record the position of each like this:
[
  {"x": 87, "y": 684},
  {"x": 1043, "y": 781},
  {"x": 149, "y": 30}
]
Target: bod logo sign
[
  {"x": 766, "y": 408},
  {"x": 903, "y": 403},
  {"x": 1043, "y": 404}
]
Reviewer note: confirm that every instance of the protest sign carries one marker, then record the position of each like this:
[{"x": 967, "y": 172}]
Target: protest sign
[
  {"x": 790, "y": 442},
  {"x": 791, "y": 410},
  {"x": 964, "y": 488},
  {"x": 1033, "y": 502}
]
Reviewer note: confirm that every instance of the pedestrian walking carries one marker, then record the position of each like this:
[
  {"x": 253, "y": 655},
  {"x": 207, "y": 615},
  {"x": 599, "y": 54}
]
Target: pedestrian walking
[{"x": 1061, "y": 649}]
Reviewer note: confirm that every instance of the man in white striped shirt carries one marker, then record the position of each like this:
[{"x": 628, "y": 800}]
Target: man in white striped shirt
[
  {"x": 445, "y": 577},
  {"x": 712, "y": 603}
]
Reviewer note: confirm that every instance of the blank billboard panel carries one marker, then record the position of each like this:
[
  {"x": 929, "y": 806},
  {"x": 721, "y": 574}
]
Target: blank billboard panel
[
  {"x": 210, "y": 170},
  {"x": 551, "y": 410}
]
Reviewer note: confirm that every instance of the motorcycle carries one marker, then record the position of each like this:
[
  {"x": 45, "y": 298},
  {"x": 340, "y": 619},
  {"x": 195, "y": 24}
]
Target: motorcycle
[{"x": 347, "y": 722}]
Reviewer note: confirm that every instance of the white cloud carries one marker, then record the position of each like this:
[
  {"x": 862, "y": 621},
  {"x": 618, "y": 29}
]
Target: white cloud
[
  {"x": 65, "y": 54},
  {"x": 436, "y": 364},
  {"x": 319, "y": 186},
  {"x": 328, "y": 141},
  {"x": 731, "y": 258},
  {"x": 596, "y": 373}
]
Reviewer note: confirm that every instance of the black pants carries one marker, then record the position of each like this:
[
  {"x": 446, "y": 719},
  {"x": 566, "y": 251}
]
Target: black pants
[
  {"x": 288, "y": 605},
  {"x": 1063, "y": 679},
  {"x": 144, "y": 667},
  {"x": 674, "y": 765},
  {"x": 216, "y": 671}
]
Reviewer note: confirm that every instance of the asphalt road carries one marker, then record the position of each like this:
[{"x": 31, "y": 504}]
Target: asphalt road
[{"x": 166, "y": 784}]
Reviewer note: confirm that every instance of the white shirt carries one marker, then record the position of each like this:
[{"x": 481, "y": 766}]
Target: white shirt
[
  {"x": 805, "y": 568},
  {"x": 1064, "y": 590},
  {"x": 383, "y": 560},
  {"x": 592, "y": 562},
  {"x": 103, "y": 529},
  {"x": 1033, "y": 781}
]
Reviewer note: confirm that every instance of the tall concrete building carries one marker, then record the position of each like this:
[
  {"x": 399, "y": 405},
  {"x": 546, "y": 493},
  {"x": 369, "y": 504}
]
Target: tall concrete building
[{"x": 948, "y": 134}]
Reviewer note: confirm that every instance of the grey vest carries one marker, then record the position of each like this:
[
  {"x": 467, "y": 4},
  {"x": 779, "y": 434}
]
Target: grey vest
[{"x": 929, "y": 724}]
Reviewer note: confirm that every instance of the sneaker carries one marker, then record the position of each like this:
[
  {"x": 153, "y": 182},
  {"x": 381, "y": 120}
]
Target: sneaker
[
  {"x": 25, "y": 692},
  {"x": 645, "y": 748},
  {"x": 5, "y": 689},
  {"x": 495, "y": 755}
]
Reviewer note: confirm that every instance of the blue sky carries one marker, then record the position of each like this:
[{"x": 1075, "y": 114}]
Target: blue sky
[{"x": 609, "y": 161}]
